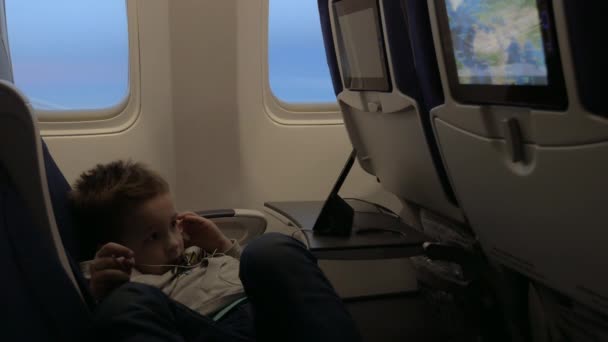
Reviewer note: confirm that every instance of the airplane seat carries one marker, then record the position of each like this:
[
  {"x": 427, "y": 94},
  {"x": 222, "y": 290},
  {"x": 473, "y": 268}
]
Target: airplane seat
[
  {"x": 59, "y": 189},
  {"x": 41, "y": 296},
  {"x": 329, "y": 45},
  {"x": 384, "y": 67},
  {"x": 524, "y": 135},
  {"x": 386, "y": 114}
]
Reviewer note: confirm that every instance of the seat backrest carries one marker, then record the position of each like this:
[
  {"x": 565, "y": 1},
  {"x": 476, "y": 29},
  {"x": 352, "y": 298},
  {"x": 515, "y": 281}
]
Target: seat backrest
[
  {"x": 41, "y": 296},
  {"x": 514, "y": 95},
  {"x": 74, "y": 240},
  {"x": 524, "y": 134},
  {"x": 390, "y": 128}
]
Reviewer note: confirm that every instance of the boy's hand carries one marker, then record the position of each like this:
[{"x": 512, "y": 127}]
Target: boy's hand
[
  {"x": 110, "y": 269},
  {"x": 203, "y": 233}
]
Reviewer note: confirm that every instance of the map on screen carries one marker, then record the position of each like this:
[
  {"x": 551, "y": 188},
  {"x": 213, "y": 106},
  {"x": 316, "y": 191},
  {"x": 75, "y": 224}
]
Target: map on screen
[{"x": 497, "y": 42}]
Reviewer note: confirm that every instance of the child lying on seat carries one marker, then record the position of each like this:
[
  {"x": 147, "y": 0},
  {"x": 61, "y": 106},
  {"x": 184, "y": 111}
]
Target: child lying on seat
[{"x": 128, "y": 211}]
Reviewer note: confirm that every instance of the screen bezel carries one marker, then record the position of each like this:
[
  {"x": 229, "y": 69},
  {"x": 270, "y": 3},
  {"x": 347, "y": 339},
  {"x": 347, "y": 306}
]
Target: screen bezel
[
  {"x": 382, "y": 84},
  {"x": 551, "y": 96}
]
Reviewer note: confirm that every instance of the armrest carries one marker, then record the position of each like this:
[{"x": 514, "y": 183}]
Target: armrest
[{"x": 239, "y": 224}]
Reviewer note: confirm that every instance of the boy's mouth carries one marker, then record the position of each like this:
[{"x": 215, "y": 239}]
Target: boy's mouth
[{"x": 178, "y": 258}]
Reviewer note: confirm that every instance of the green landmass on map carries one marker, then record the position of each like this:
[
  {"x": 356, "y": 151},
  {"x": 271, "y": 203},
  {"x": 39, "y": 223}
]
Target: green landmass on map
[{"x": 493, "y": 59}]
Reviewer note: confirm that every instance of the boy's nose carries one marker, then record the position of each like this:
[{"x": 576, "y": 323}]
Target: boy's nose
[
  {"x": 173, "y": 247},
  {"x": 173, "y": 252}
]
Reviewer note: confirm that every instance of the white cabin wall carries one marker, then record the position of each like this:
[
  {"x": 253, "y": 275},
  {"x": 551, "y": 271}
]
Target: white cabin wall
[
  {"x": 150, "y": 139},
  {"x": 206, "y": 121},
  {"x": 229, "y": 152}
]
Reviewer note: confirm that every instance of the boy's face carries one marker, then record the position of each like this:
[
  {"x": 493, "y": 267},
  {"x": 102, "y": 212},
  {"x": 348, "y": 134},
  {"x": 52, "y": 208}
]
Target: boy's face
[{"x": 153, "y": 234}]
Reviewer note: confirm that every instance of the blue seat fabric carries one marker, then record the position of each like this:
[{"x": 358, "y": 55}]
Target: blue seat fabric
[{"x": 39, "y": 302}]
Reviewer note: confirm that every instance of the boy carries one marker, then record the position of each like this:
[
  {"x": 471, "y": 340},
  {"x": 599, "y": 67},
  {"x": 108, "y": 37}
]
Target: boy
[
  {"x": 128, "y": 211},
  {"x": 144, "y": 224}
]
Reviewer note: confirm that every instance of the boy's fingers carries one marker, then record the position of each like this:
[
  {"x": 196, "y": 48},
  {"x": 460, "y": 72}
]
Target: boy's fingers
[
  {"x": 195, "y": 227},
  {"x": 184, "y": 214},
  {"x": 190, "y": 218},
  {"x": 196, "y": 218},
  {"x": 114, "y": 249},
  {"x": 101, "y": 264},
  {"x": 190, "y": 224}
]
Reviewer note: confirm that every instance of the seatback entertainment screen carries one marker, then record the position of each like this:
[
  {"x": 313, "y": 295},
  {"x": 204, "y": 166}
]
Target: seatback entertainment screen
[
  {"x": 497, "y": 42},
  {"x": 502, "y": 52},
  {"x": 361, "y": 45}
]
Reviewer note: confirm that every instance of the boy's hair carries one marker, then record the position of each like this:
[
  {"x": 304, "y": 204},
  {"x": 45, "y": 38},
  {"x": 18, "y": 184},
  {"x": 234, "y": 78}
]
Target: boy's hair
[{"x": 103, "y": 196}]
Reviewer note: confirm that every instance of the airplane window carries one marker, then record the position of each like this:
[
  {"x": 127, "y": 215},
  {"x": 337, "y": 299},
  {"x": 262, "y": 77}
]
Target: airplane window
[
  {"x": 298, "y": 71},
  {"x": 69, "y": 54}
]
